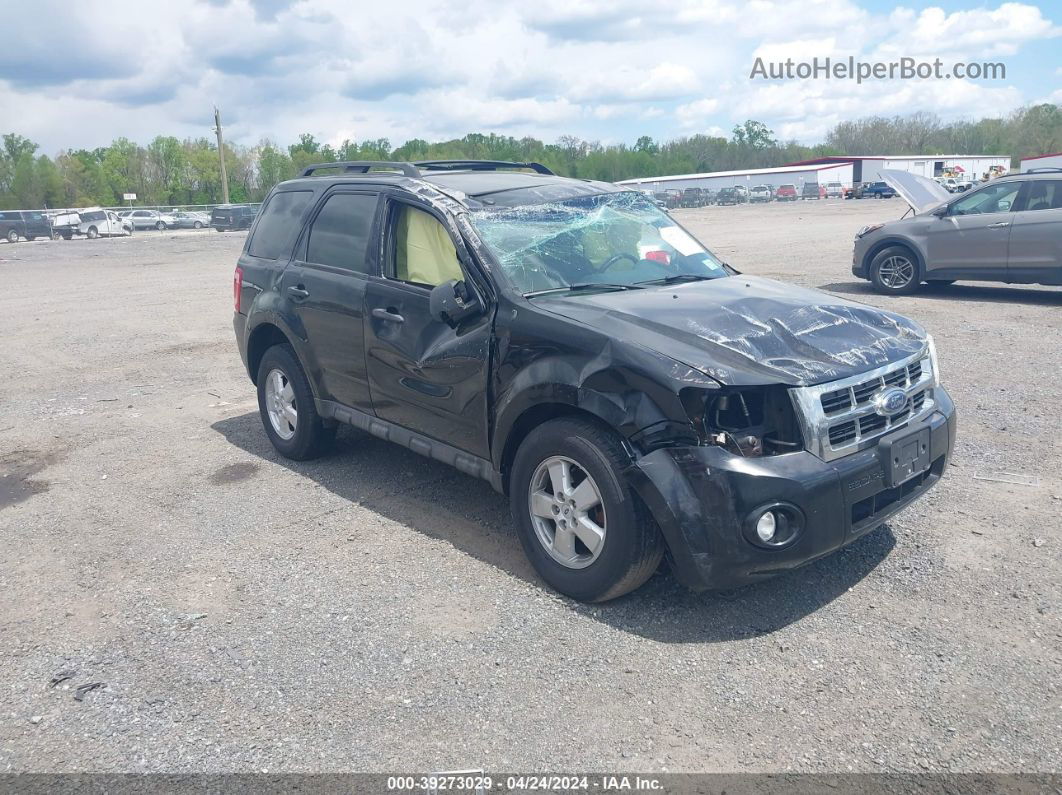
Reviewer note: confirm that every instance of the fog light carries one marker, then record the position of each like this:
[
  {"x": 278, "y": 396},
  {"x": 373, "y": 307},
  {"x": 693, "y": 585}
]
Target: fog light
[{"x": 766, "y": 526}]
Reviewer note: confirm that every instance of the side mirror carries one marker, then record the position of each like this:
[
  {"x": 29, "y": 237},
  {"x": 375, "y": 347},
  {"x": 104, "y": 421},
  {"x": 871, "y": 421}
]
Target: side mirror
[
  {"x": 453, "y": 301},
  {"x": 941, "y": 211}
]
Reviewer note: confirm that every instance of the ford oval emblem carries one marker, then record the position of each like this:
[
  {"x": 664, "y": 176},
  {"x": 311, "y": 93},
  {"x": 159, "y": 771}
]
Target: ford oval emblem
[{"x": 890, "y": 401}]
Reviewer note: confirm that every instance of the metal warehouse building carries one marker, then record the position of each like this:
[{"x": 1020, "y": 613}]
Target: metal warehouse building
[
  {"x": 795, "y": 175},
  {"x": 867, "y": 168},
  {"x": 1041, "y": 161}
]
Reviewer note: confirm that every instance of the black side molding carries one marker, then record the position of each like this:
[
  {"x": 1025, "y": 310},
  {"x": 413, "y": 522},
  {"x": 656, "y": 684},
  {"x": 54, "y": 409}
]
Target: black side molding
[{"x": 424, "y": 445}]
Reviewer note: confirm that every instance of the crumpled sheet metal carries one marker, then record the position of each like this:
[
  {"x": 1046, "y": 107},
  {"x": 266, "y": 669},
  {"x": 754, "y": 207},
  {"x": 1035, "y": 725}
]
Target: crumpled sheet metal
[{"x": 744, "y": 330}]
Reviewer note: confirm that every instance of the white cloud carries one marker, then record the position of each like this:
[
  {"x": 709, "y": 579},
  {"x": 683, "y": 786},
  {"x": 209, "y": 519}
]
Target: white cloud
[
  {"x": 979, "y": 32},
  {"x": 71, "y": 75}
]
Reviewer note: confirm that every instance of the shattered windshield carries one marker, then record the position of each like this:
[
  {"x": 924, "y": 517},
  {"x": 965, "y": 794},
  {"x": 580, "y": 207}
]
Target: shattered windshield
[{"x": 615, "y": 240}]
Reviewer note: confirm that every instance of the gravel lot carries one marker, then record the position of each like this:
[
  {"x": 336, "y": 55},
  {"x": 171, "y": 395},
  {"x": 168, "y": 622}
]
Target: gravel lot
[{"x": 374, "y": 611}]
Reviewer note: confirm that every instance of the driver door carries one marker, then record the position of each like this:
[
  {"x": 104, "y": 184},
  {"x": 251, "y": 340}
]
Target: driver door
[
  {"x": 974, "y": 236},
  {"x": 424, "y": 375}
]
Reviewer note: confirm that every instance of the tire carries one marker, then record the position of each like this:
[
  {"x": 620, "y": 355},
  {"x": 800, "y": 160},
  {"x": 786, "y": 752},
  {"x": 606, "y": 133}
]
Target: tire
[
  {"x": 309, "y": 436},
  {"x": 56, "y": 236},
  {"x": 12, "y": 236},
  {"x": 632, "y": 546},
  {"x": 197, "y": 225},
  {"x": 894, "y": 271},
  {"x": 93, "y": 233},
  {"x": 160, "y": 226}
]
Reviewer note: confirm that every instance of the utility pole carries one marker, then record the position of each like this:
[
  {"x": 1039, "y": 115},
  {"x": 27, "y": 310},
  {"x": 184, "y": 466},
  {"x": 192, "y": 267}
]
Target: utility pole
[{"x": 221, "y": 155}]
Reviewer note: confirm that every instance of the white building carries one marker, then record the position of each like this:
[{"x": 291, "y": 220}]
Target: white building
[
  {"x": 1041, "y": 161},
  {"x": 749, "y": 177},
  {"x": 867, "y": 168}
]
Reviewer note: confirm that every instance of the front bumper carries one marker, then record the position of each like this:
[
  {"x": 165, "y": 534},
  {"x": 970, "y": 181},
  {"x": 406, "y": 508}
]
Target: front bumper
[{"x": 701, "y": 496}]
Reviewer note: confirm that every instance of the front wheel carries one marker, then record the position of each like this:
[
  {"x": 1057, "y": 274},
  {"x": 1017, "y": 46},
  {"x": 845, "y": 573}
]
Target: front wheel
[
  {"x": 160, "y": 226},
  {"x": 197, "y": 225},
  {"x": 894, "y": 271},
  {"x": 285, "y": 402},
  {"x": 583, "y": 529},
  {"x": 12, "y": 236},
  {"x": 93, "y": 233}
]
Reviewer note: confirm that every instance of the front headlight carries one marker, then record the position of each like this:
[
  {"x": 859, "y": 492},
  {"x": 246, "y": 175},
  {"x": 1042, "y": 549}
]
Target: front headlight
[
  {"x": 933, "y": 358},
  {"x": 866, "y": 230}
]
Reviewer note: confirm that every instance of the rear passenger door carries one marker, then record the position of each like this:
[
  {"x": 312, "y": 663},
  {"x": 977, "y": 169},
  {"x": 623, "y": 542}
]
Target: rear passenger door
[
  {"x": 1036, "y": 237},
  {"x": 424, "y": 375},
  {"x": 326, "y": 286}
]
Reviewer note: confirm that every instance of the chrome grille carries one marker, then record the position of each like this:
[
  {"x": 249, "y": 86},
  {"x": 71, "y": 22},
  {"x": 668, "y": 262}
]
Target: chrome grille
[{"x": 840, "y": 417}]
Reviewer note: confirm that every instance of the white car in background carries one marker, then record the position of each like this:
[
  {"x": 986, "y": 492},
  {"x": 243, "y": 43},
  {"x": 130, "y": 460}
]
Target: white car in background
[
  {"x": 97, "y": 222},
  {"x": 761, "y": 193},
  {"x": 834, "y": 190}
]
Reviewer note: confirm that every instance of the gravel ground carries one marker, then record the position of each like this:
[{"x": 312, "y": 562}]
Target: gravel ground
[{"x": 373, "y": 610}]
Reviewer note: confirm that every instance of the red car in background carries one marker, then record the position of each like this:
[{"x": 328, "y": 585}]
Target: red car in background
[{"x": 786, "y": 193}]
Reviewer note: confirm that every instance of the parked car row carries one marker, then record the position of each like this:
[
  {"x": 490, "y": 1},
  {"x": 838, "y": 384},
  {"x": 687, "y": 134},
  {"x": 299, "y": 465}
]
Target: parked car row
[{"x": 94, "y": 222}]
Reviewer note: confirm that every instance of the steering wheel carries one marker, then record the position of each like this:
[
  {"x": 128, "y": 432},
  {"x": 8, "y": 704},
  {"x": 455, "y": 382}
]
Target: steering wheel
[{"x": 616, "y": 258}]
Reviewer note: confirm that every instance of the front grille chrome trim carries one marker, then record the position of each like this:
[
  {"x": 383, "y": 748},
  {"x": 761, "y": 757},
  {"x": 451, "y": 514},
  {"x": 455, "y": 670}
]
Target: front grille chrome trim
[{"x": 914, "y": 375}]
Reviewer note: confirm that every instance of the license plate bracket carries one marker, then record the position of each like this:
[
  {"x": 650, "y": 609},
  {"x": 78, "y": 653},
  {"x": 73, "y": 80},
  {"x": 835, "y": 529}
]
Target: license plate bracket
[{"x": 904, "y": 455}]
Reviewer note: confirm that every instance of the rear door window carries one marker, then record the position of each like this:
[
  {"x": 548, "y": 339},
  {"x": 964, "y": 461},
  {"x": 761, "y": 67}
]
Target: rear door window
[
  {"x": 339, "y": 236},
  {"x": 280, "y": 223},
  {"x": 1044, "y": 195}
]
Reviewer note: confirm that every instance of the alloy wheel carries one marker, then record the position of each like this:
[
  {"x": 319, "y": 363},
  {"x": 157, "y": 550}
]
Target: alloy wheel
[
  {"x": 896, "y": 272},
  {"x": 567, "y": 512},
  {"x": 280, "y": 404}
]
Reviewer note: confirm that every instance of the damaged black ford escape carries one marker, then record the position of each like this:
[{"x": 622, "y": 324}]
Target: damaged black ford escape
[{"x": 569, "y": 342}]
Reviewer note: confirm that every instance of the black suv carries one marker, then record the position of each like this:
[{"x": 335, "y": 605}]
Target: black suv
[
  {"x": 569, "y": 342},
  {"x": 229, "y": 217},
  {"x": 25, "y": 224}
]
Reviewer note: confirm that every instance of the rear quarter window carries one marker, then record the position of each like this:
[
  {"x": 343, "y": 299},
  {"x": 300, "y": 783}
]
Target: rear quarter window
[{"x": 280, "y": 222}]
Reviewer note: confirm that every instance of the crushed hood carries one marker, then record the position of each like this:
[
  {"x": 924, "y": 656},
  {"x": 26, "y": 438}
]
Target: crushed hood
[
  {"x": 744, "y": 330},
  {"x": 922, "y": 193}
]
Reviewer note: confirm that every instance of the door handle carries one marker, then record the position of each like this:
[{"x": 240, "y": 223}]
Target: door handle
[
  {"x": 999, "y": 225},
  {"x": 298, "y": 291},
  {"x": 390, "y": 314}
]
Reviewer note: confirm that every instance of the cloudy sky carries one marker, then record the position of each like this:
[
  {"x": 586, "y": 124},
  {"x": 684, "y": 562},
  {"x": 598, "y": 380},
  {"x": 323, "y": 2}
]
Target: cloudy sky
[{"x": 78, "y": 74}]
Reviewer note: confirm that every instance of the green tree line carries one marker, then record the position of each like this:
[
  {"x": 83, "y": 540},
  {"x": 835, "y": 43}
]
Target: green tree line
[{"x": 169, "y": 171}]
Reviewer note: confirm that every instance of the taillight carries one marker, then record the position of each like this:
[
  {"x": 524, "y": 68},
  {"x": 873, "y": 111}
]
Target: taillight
[{"x": 237, "y": 288}]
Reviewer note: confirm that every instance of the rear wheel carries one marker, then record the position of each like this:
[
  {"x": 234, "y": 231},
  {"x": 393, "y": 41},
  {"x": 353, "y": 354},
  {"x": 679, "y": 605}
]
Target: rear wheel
[
  {"x": 894, "y": 271},
  {"x": 93, "y": 233},
  {"x": 583, "y": 529},
  {"x": 285, "y": 402},
  {"x": 160, "y": 226},
  {"x": 197, "y": 225},
  {"x": 12, "y": 236}
]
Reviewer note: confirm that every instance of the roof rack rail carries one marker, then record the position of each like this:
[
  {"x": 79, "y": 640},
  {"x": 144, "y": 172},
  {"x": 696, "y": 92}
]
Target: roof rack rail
[
  {"x": 363, "y": 166},
  {"x": 481, "y": 165},
  {"x": 1044, "y": 170}
]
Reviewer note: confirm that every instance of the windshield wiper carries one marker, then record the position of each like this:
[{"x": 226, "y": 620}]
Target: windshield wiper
[
  {"x": 680, "y": 277},
  {"x": 580, "y": 286}
]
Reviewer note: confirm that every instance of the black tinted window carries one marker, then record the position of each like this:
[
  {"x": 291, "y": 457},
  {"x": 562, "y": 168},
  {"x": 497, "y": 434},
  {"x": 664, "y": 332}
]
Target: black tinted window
[
  {"x": 279, "y": 224},
  {"x": 1044, "y": 195},
  {"x": 340, "y": 233}
]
